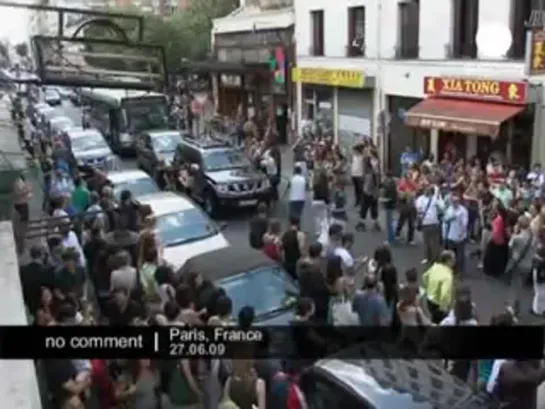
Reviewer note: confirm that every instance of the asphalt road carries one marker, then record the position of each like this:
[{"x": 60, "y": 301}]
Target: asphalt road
[{"x": 490, "y": 295}]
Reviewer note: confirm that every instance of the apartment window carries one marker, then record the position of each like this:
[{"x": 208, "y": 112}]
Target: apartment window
[
  {"x": 520, "y": 13},
  {"x": 465, "y": 25},
  {"x": 356, "y": 31},
  {"x": 317, "y": 24},
  {"x": 409, "y": 26}
]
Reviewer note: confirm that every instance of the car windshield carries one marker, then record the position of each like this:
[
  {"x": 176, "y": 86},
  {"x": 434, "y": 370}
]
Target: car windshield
[
  {"x": 146, "y": 114},
  {"x": 166, "y": 142},
  {"x": 62, "y": 123},
  {"x": 138, "y": 187},
  {"x": 225, "y": 159},
  {"x": 266, "y": 289},
  {"x": 184, "y": 226},
  {"x": 88, "y": 141},
  {"x": 51, "y": 93}
]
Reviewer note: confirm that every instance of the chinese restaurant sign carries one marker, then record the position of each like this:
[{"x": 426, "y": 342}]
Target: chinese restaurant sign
[
  {"x": 332, "y": 78},
  {"x": 512, "y": 92},
  {"x": 535, "y": 52}
]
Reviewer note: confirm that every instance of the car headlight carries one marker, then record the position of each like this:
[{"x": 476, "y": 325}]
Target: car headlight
[
  {"x": 125, "y": 137},
  {"x": 113, "y": 162},
  {"x": 265, "y": 184},
  {"x": 222, "y": 188}
]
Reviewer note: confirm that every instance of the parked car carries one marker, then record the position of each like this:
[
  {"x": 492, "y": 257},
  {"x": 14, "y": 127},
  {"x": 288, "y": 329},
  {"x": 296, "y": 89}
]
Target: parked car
[
  {"x": 218, "y": 175},
  {"x": 44, "y": 114},
  {"x": 52, "y": 97},
  {"x": 60, "y": 124},
  {"x": 154, "y": 148},
  {"x": 249, "y": 278},
  {"x": 64, "y": 92},
  {"x": 183, "y": 228},
  {"x": 33, "y": 111},
  {"x": 90, "y": 148},
  {"x": 136, "y": 181},
  {"x": 387, "y": 383}
]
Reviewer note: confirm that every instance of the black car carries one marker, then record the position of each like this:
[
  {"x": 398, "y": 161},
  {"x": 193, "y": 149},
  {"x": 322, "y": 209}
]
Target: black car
[
  {"x": 52, "y": 97},
  {"x": 249, "y": 278},
  {"x": 387, "y": 384},
  {"x": 218, "y": 175}
]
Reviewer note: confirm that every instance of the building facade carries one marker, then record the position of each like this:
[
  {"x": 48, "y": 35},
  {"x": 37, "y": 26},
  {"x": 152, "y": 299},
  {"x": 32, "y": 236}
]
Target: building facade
[
  {"x": 423, "y": 81},
  {"x": 253, "y": 53}
]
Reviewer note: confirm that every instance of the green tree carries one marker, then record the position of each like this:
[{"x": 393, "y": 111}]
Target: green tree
[
  {"x": 184, "y": 34},
  {"x": 22, "y": 50}
]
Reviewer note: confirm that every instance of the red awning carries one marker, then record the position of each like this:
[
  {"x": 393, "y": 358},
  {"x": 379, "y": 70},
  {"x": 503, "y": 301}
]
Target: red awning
[{"x": 469, "y": 117}]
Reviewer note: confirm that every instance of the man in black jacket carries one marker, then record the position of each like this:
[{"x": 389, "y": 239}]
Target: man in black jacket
[
  {"x": 389, "y": 200},
  {"x": 35, "y": 275}
]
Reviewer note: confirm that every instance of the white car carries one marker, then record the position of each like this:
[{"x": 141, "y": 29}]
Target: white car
[
  {"x": 184, "y": 229},
  {"x": 45, "y": 113},
  {"x": 138, "y": 182},
  {"x": 60, "y": 124},
  {"x": 52, "y": 97}
]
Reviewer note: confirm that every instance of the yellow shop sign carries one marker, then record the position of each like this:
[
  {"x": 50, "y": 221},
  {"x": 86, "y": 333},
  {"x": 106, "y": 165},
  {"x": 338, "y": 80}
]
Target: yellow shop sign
[{"x": 332, "y": 78}]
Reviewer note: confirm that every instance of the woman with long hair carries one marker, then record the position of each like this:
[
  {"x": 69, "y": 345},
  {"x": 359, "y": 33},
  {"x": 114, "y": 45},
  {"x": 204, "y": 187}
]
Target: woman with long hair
[
  {"x": 272, "y": 242},
  {"x": 244, "y": 387},
  {"x": 497, "y": 251}
]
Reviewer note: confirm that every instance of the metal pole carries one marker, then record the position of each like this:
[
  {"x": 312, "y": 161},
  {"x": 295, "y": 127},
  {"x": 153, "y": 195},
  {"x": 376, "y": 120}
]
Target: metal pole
[{"x": 380, "y": 138}]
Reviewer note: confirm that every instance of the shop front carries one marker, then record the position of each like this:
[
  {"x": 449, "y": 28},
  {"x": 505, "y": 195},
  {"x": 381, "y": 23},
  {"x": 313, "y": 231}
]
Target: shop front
[
  {"x": 470, "y": 117},
  {"x": 341, "y": 98}
]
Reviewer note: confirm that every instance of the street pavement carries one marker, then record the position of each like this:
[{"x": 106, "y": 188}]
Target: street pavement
[{"x": 490, "y": 295}]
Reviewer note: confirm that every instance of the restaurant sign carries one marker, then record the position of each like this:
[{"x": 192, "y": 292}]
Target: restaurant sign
[
  {"x": 535, "y": 52},
  {"x": 513, "y": 92},
  {"x": 332, "y": 78}
]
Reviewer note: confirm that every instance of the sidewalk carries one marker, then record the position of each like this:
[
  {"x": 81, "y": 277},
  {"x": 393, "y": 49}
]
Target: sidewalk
[{"x": 15, "y": 159}]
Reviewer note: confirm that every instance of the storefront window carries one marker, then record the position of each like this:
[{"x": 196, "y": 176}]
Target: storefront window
[{"x": 324, "y": 109}]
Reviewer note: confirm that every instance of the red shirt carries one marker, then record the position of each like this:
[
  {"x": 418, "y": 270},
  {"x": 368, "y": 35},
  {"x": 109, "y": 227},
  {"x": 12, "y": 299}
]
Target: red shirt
[
  {"x": 498, "y": 231},
  {"x": 102, "y": 383}
]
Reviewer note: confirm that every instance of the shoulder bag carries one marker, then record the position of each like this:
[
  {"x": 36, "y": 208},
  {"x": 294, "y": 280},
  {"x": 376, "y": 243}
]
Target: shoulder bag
[{"x": 421, "y": 217}]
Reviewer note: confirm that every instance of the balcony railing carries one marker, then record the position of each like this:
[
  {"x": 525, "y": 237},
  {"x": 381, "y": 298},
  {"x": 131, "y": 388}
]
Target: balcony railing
[
  {"x": 273, "y": 4},
  {"x": 353, "y": 50},
  {"x": 316, "y": 50},
  {"x": 462, "y": 51},
  {"x": 407, "y": 52}
]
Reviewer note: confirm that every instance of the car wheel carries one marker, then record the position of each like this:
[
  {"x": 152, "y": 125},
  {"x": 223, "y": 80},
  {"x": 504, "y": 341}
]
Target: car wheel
[{"x": 210, "y": 204}]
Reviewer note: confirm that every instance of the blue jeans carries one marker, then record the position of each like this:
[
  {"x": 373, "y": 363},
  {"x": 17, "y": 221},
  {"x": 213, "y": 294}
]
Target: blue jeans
[
  {"x": 390, "y": 230},
  {"x": 296, "y": 208}
]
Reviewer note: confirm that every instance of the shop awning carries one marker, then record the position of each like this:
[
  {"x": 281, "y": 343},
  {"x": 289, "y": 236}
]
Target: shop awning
[{"x": 468, "y": 117}]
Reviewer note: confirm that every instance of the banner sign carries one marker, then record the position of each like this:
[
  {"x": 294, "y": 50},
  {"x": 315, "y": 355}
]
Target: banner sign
[{"x": 512, "y": 92}]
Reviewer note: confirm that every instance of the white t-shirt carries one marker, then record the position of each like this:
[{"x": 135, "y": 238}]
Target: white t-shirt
[
  {"x": 346, "y": 257},
  {"x": 496, "y": 367},
  {"x": 357, "y": 166},
  {"x": 71, "y": 240},
  {"x": 298, "y": 188}
]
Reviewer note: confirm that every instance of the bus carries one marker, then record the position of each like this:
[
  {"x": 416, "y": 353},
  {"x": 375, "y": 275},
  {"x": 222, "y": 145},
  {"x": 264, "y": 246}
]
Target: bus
[{"x": 122, "y": 114}]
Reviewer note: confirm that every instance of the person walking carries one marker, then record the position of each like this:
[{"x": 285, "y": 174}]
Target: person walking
[
  {"x": 437, "y": 282},
  {"x": 455, "y": 231},
  {"x": 370, "y": 193},
  {"x": 519, "y": 265},
  {"x": 298, "y": 193},
  {"x": 356, "y": 170},
  {"x": 429, "y": 207}
]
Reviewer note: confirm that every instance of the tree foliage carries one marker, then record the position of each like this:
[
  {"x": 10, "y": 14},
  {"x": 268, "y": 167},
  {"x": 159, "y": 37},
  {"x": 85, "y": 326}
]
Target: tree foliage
[
  {"x": 22, "y": 50},
  {"x": 184, "y": 34}
]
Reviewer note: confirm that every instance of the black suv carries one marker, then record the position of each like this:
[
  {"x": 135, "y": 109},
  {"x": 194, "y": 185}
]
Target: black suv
[{"x": 218, "y": 175}]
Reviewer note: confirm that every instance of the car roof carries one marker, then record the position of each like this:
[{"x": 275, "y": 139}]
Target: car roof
[
  {"x": 126, "y": 175},
  {"x": 166, "y": 202},
  {"x": 81, "y": 133},
  {"x": 233, "y": 260},
  {"x": 60, "y": 118},
  {"x": 156, "y": 134},
  {"x": 408, "y": 384},
  {"x": 206, "y": 143},
  {"x": 40, "y": 105},
  {"x": 46, "y": 108}
]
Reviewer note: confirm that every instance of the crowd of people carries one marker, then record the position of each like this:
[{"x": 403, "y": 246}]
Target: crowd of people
[{"x": 102, "y": 264}]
